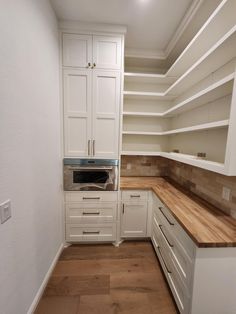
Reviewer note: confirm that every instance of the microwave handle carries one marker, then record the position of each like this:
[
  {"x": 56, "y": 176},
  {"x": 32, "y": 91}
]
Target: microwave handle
[{"x": 90, "y": 168}]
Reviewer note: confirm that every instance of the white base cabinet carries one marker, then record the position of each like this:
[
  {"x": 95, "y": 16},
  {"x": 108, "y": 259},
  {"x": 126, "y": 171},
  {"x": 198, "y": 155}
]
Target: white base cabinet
[
  {"x": 134, "y": 214},
  {"x": 91, "y": 216},
  {"x": 202, "y": 280}
]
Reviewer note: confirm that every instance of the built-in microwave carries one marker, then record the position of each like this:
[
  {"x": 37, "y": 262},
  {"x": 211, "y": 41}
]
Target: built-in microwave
[{"x": 90, "y": 174}]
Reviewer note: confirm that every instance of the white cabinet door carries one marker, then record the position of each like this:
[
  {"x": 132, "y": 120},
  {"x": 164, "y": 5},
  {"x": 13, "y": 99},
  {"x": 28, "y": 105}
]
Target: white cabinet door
[
  {"x": 106, "y": 103},
  {"x": 107, "y": 52},
  {"x": 77, "y": 112},
  {"x": 134, "y": 220},
  {"x": 77, "y": 50}
]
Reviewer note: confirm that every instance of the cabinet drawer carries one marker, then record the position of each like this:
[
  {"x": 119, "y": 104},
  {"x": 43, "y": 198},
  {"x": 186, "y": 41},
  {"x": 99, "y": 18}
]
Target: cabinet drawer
[
  {"x": 88, "y": 197},
  {"x": 90, "y": 213},
  {"x": 164, "y": 217},
  {"x": 179, "y": 291},
  {"x": 90, "y": 233},
  {"x": 135, "y": 195},
  {"x": 180, "y": 259}
]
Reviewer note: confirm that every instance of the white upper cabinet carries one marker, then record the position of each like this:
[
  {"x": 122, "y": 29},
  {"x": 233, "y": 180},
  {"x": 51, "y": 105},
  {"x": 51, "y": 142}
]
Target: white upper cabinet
[
  {"x": 106, "y": 100},
  {"x": 107, "y": 52},
  {"x": 77, "y": 50},
  {"x": 90, "y": 51},
  {"x": 77, "y": 112}
]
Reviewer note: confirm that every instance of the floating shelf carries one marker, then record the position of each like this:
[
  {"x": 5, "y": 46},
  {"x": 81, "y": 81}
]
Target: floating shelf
[
  {"x": 200, "y": 127},
  {"x": 140, "y": 153},
  {"x": 218, "y": 55},
  {"x": 148, "y": 78},
  {"x": 147, "y": 95},
  {"x": 142, "y": 114},
  {"x": 141, "y": 133},
  {"x": 194, "y": 161},
  {"x": 215, "y": 91},
  {"x": 224, "y": 15}
]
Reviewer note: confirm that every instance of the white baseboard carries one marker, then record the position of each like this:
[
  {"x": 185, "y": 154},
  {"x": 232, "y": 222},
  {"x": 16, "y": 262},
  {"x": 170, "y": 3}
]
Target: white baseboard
[{"x": 45, "y": 281}]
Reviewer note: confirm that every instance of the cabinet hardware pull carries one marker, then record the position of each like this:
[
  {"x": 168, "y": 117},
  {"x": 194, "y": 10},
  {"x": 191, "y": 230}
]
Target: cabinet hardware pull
[
  {"x": 95, "y": 213},
  {"x": 171, "y": 245},
  {"x": 93, "y": 147},
  {"x": 171, "y": 223},
  {"x": 89, "y": 147},
  {"x": 123, "y": 208},
  {"x": 134, "y": 195},
  {"x": 91, "y": 232},
  {"x": 89, "y": 65},
  {"x": 91, "y": 198},
  {"x": 159, "y": 249}
]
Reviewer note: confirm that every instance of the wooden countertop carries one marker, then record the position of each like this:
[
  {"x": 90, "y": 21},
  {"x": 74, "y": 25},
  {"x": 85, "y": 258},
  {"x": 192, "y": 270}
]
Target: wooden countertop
[{"x": 205, "y": 224}]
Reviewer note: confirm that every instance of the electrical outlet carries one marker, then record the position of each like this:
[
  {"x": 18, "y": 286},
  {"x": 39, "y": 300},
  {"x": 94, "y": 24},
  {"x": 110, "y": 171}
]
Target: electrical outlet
[
  {"x": 226, "y": 193},
  {"x": 129, "y": 166},
  {"x": 5, "y": 211}
]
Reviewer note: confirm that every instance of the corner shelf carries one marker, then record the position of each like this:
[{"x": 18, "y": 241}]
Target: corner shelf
[{"x": 198, "y": 90}]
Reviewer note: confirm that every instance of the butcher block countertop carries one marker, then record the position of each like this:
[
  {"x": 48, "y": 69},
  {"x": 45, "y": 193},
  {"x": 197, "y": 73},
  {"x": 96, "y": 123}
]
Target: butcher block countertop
[{"x": 205, "y": 224}]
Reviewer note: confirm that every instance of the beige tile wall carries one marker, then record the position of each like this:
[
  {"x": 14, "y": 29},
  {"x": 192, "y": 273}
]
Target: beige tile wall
[
  {"x": 143, "y": 166},
  {"x": 205, "y": 184}
]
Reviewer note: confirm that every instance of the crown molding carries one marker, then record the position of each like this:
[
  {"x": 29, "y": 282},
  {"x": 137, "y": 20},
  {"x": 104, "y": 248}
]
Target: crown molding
[
  {"x": 182, "y": 26},
  {"x": 75, "y": 26}
]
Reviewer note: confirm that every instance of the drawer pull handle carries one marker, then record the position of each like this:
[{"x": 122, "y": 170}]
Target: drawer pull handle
[
  {"x": 95, "y": 213},
  {"x": 171, "y": 245},
  {"x": 171, "y": 223},
  {"x": 91, "y": 232},
  {"x": 135, "y": 196},
  {"x": 91, "y": 198},
  {"x": 159, "y": 249},
  {"x": 123, "y": 208}
]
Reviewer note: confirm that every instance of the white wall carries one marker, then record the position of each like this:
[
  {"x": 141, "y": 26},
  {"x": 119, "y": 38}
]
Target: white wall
[{"x": 30, "y": 161}]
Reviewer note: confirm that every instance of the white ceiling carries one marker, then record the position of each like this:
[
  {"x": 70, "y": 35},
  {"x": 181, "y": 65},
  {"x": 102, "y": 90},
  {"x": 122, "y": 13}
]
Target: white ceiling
[{"x": 151, "y": 23}]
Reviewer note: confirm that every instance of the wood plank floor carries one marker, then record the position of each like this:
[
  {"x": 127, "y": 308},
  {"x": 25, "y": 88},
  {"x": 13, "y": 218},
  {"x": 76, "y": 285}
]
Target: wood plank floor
[{"x": 103, "y": 279}]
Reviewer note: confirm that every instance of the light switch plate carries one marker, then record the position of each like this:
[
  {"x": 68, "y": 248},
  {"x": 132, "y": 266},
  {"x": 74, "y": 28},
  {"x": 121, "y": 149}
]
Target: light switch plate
[
  {"x": 226, "y": 193},
  {"x": 5, "y": 211}
]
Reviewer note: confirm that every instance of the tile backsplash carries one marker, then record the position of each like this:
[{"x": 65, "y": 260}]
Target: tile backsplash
[
  {"x": 143, "y": 166},
  {"x": 206, "y": 184}
]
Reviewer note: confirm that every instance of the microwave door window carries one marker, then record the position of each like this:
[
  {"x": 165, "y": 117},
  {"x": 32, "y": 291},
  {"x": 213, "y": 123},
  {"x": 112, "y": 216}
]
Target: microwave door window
[{"x": 90, "y": 177}]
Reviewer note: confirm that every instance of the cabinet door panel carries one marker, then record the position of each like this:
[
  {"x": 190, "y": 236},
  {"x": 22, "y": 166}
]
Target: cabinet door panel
[
  {"x": 107, "y": 52},
  {"x": 77, "y": 50},
  {"x": 106, "y": 103},
  {"x": 77, "y": 112},
  {"x": 134, "y": 220},
  {"x": 76, "y": 141}
]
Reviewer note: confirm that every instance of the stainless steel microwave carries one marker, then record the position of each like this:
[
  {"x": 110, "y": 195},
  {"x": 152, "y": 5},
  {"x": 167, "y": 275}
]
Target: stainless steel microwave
[{"x": 90, "y": 174}]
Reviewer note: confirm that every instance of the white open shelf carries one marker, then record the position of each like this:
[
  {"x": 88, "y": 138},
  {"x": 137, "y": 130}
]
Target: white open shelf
[
  {"x": 142, "y": 114},
  {"x": 220, "y": 53},
  {"x": 195, "y": 161},
  {"x": 141, "y": 153},
  {"x": 206, "y": 37},
  {"x": 216, "y": 90},
  {"x": 201, "y": 127},
  {"x": 195, "y": 100},
  {"x": 148, "y": 78}
]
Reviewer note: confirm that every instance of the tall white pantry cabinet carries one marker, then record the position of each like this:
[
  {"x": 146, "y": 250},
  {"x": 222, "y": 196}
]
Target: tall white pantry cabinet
[{"x": 92, "y": 68}]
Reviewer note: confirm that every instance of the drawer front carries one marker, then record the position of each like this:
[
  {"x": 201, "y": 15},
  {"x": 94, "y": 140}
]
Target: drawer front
[
  {"x": 165, "y": 218},
  {"x": 77, "y": 213},
  {"x": 183, "y": 264},
  {"x": 87, "y": 197},
  {"x": 90, "y": 233},
  {"x": 134, "y": 195},
  {"x": 177, "y": 287}
]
